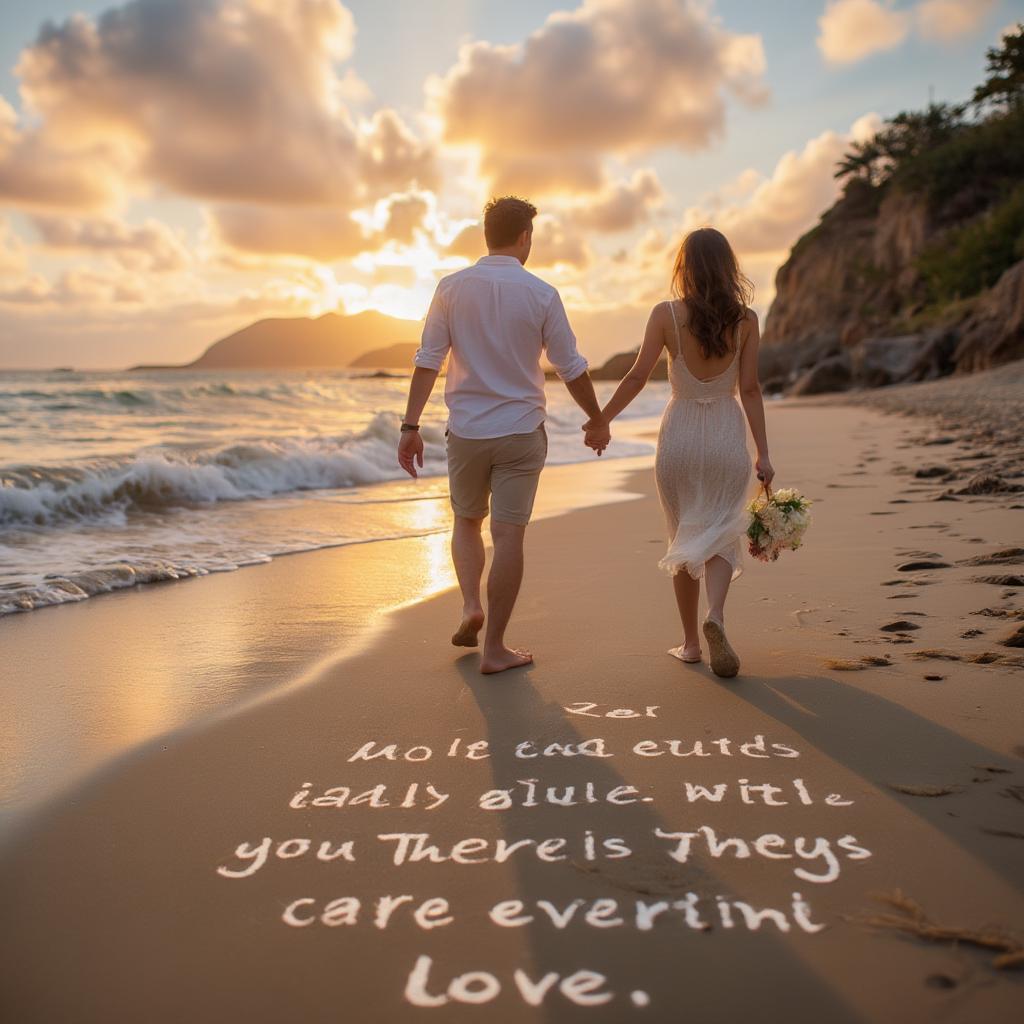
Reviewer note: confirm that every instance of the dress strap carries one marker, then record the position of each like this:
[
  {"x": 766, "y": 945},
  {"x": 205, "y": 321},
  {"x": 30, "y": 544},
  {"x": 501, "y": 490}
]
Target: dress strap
[{"x": 675, "y": 324}]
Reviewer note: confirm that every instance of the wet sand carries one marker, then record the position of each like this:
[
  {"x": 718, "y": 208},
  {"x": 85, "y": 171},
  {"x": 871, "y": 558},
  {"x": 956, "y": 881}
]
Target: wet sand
[{"x": 859, "y": 756}]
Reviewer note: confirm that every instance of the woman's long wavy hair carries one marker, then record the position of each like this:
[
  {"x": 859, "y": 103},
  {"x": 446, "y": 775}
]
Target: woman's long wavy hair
[{"x": 717, "y": 293}]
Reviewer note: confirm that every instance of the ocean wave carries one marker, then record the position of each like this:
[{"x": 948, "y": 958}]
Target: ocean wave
[
  {"x": 78, "y": 586},
  {"x": 111, "y": 489}
]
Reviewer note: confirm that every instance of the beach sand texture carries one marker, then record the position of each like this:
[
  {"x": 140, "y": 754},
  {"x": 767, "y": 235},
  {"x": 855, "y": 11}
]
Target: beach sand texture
[{"x": 879, "y": 694}]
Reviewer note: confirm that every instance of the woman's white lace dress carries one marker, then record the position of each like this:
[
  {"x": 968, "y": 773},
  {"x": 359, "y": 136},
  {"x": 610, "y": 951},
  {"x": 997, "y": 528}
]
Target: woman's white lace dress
[{"x": 703, "y": 468}]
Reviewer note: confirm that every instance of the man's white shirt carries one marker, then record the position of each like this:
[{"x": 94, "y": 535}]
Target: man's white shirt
[{"x": 497, "y": 319}]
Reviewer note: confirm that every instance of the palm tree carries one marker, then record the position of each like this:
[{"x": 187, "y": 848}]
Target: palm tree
[{"x": 1004, "y": 86}]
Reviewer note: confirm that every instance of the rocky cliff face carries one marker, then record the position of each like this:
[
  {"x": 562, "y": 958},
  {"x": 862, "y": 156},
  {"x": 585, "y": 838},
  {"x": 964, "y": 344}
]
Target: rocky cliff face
[{"x": 850, "y": 306}]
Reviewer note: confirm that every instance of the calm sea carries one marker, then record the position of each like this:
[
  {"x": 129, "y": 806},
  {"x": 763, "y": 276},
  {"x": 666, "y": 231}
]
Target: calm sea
[{"x": 112, "y": 479}]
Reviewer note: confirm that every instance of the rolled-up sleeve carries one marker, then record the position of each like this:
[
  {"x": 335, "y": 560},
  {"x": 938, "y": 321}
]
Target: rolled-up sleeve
[
  {"x": 560, "y": 342},
  {"x": 436, "y": 339}
]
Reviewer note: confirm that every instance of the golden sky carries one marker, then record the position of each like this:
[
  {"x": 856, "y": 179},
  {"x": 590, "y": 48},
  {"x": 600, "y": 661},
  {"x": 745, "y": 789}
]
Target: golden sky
[{"x": 172, "y": 169}]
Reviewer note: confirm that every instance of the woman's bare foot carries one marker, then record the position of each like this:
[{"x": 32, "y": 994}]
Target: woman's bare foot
[
  {"x": 504, "y": 659},
  {"x": 724, "y": 660},
  {"x": 690, "y": 653},
  {"x": 466, "y": 634}
]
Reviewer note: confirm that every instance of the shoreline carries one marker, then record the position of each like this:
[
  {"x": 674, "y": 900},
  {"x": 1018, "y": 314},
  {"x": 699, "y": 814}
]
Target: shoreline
[
  {"x": 351, "y": 589},
  {"x": 148, "y": 839}
]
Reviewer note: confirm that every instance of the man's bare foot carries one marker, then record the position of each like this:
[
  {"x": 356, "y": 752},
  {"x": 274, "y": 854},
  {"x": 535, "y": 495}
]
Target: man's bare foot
[
  {"x": 504, "y": 659},
  {"x": 466, "y": 634}
]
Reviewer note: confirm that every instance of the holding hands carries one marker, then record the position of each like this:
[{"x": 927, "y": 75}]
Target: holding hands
[{"x": 597, "y": 434}]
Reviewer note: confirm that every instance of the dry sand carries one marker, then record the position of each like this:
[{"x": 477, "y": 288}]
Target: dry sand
[{"x": 896, "y": 752}]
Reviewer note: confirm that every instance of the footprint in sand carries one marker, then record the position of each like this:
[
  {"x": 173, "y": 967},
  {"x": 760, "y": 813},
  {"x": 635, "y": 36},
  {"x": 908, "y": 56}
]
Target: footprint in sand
[
  {"x": 848, "y": 665},
  {"x": 1006, "y": 556},
  {"x": 1003, "y": 580},
  {"x": 1001, "y": 613},
  {"x": 912, "y": 790},
  {"x": 813, "y": 616},
  {"x": 1015, "y": 638},
  {"x": 899, "y": 626}
]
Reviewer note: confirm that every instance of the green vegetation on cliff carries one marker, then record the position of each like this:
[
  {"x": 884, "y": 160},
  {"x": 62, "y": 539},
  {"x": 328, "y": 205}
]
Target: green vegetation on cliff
[{"x": 965, "y": 162}]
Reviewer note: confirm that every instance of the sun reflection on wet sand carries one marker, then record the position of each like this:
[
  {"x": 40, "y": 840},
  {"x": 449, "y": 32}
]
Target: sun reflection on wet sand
[{"x": 86, "y": 683}]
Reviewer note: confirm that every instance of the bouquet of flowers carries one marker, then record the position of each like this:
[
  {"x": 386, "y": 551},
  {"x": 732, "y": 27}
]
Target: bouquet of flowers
[{"x": 777, "y": 521}]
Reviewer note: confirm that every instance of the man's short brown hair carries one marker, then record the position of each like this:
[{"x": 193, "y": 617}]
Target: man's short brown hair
[{"x": 505, "y": 219}]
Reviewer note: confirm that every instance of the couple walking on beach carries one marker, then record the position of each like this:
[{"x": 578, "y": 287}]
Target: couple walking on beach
[{"x": 496, "y": 320}]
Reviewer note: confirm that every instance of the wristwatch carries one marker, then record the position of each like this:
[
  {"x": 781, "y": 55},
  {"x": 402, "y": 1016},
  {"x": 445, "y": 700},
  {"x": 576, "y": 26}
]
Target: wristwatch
[{"x": 410, "y": 426}]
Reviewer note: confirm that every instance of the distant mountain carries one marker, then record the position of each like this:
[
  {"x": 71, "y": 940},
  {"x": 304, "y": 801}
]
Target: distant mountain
[
  {"x": 398, "y": 356},
  {"x": 328, "y": 341},
  {"x": 619, "y": 365}
]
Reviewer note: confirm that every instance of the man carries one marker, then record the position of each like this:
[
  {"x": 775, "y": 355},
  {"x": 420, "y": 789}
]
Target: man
[{"x": 496, "y": 319}]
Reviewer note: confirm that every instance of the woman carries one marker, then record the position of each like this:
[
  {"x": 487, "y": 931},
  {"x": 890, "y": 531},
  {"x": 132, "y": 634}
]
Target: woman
[{"x": 702, "y": 467}]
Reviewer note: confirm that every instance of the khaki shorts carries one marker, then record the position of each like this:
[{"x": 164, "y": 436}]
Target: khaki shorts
[{"x": 504, "y": 469}]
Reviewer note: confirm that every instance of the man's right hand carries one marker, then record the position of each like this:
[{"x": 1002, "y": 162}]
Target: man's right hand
[{"x": 410, "y": 451}]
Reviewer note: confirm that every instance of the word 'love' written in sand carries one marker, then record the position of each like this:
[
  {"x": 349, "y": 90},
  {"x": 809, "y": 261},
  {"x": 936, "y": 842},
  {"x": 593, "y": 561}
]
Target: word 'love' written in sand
[{"x": 525, "y": 809}]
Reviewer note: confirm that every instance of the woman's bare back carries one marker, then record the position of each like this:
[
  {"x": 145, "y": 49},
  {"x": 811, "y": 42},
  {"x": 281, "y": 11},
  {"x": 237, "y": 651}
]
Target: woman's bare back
[{"x": 696, "y": 362}]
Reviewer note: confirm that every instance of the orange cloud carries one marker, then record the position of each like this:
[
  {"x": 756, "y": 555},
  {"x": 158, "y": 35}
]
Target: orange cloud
[
  {"x": 773, "y": 214},
  {"x": 948, "y": 20},
  {"x": 12, "y": 250},
  {"x": 405, "y": 216},
  {"x": 468, "y": 243},
  {"x": 613, "y": 76},
  {"x": 324, "y": 233},
  {"x": 555, "y": 242},
  {"x": 622, "y": 205},
  {"x": 149, "y": 246},
  {"x": 35, "y": 173},
  {"x": 229, "y": 100},
  {"x": 850, "y": 30}
]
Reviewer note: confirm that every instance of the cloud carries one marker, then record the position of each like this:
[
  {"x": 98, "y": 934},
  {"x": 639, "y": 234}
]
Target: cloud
[
  {"x": 949, "y": 20},
  {"x": 151, "y": 245},
  {"x": 391, "y": 157},
  {"x": 468, "y": 243},
  {"x": 556, "y": 242},
  {"x": 510, "y": 173},
  {"x": 79, "y": 288},
  {"x": 611, "y": 77},
  {"x": 850, "y": 30},
  {"x": 405, "y": 216},
  {"x": 12, "y": 250},
  {"x": 34, "y": 173},
  {"x": 324, "y": 233},
  {"x": 769, "y": 218},
  {"x": 30, "y": 290},
  {"x": 226, "y": 100},
  {"x": 622, "y": 205}
]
